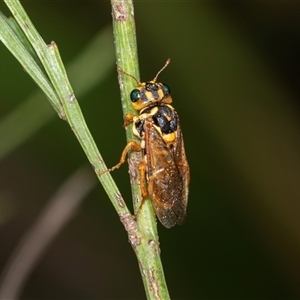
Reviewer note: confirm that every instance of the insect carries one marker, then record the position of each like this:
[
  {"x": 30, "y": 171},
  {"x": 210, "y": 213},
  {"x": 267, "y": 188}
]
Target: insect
[{"x": 164, "y": 170}]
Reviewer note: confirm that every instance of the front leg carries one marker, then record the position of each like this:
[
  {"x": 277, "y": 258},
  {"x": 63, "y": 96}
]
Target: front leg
[{"x": 128, "y": 118}]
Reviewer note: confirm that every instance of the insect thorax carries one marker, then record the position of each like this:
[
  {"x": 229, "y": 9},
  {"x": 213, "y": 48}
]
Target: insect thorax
[{"x": 163, "y": 117}]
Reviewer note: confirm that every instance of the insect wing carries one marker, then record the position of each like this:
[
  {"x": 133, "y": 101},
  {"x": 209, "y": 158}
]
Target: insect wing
[
  {"x": 182, "y": 165},
  {"x": 167, "y": 179}
]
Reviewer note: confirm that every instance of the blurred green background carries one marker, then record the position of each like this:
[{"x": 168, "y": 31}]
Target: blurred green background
[{"x": 234, "y": 78}]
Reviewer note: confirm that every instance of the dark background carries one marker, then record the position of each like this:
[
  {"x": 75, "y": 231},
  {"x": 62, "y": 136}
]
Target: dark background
[{"x": 234, "y": 77}]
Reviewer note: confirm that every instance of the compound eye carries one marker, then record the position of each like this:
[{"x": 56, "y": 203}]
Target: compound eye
[
  {"x": 166, "y": 89},
  {"x": 135, "y": 95}
]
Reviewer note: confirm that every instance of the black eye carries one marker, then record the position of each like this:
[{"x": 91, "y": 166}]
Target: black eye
[
  {"x": 135, "y": 95},
  {"x": 166, "y": 89}
]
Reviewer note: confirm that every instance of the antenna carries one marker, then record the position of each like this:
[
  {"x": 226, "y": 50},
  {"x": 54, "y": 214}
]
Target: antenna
[
  {"x": 122, "y": 71},
  {"x": 166, "y": 64},
  {"x": 155, "y": 78}
]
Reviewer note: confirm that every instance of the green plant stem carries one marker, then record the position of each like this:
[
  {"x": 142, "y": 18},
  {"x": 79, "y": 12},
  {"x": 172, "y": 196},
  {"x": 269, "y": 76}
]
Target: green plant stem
[
  {"x": 63, "y": 99},
  {"x": 146, "y": 245}
]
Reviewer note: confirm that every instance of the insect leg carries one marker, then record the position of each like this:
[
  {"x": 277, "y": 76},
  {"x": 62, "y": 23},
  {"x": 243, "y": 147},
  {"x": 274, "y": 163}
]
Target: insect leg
[
  {"x": 142, "y": 167},
  {"x": 132, "y": 145},
  {"x": 128, "y": 118},
  {"x": 143, "y": 180}
]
